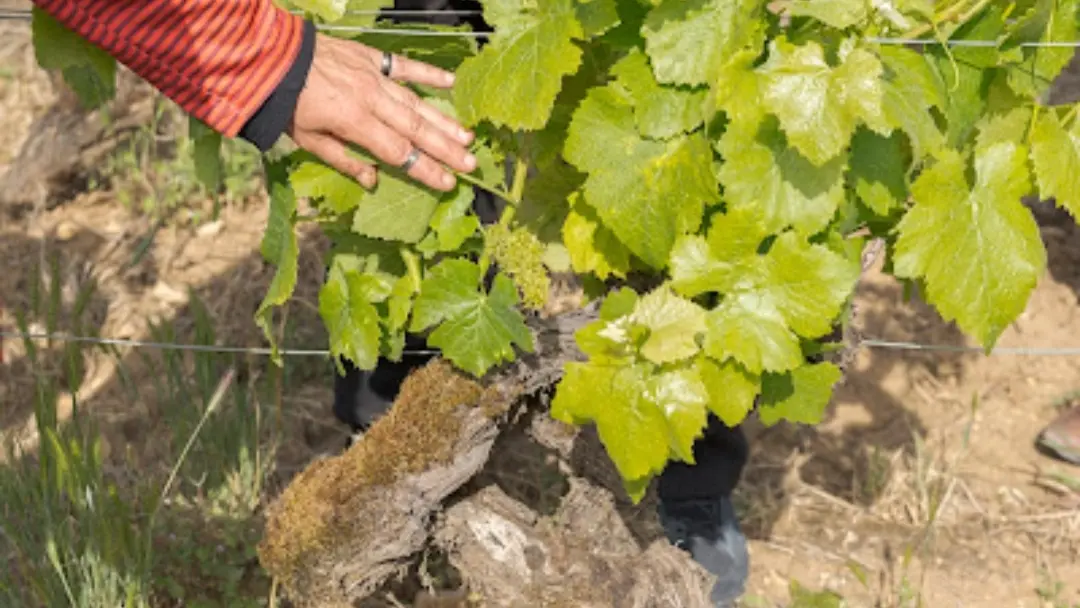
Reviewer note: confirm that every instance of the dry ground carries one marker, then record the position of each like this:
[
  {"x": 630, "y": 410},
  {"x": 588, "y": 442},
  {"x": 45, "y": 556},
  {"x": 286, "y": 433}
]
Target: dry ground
[{"x": 925, "y": 455}]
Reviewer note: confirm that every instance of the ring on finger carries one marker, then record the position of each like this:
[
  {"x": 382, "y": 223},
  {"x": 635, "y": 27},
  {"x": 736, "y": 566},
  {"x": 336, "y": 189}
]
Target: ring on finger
[
  {"x": 411, "y": 160},
  {"x": 387, "y": 63}
]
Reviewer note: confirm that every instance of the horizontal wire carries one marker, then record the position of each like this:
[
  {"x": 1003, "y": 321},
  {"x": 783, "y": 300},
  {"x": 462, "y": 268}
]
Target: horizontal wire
[
  {"x": 968, "y": 43},
  {"x": 18, "y": 14},
  {"x": 1028, "y": 351},
  {"x": 199, "y": 348},
  {"x": 207, "y": 348}
]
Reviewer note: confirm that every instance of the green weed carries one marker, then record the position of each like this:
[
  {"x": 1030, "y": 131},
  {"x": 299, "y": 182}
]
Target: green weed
[{"x": 79, "y": 529}]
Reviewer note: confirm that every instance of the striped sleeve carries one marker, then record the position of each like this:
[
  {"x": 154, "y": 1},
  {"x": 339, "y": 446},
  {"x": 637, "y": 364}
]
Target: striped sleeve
[{"x": 219, "y": 60}]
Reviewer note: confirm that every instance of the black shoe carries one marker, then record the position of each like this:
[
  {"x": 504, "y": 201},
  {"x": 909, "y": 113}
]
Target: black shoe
[{"x": 709, "y": 531}]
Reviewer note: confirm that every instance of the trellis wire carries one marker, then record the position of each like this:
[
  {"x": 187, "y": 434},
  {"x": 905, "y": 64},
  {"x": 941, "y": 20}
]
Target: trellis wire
[
  {"x": 23, "y": 15},
  {"x": 208, "y": 348},
  {"x": 198, "y": 348}
]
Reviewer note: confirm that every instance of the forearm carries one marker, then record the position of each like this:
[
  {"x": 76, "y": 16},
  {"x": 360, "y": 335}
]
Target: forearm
[{"x": 237, "y": 65}]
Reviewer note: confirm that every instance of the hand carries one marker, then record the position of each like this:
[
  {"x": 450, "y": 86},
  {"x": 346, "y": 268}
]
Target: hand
[{"x": 346, "y": 100}]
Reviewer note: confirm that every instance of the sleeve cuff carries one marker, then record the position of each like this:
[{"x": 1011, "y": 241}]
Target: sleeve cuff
[{"x": 265, "y": 127}]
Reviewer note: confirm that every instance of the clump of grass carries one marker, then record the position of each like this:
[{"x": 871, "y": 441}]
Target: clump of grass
[
  {"x": 155, "y": 173},
  {"x": 74, "y": 532}
]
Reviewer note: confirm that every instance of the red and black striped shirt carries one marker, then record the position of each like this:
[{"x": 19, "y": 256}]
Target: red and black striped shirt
[{"x": 219, "y": 60}]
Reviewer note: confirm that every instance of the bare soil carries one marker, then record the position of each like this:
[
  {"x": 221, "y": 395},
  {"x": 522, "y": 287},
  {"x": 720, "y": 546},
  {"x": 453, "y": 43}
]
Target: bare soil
[{"x": 924, "y": 477}]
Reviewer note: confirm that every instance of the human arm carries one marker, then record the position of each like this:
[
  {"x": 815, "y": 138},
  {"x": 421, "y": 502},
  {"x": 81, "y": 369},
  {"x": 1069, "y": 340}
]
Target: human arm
[{"x": 249, "y": 68}]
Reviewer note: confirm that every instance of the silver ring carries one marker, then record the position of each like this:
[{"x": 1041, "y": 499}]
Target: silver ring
[
  {"x": 411, "y": 160},
  {"x": 387, "y": 63}
]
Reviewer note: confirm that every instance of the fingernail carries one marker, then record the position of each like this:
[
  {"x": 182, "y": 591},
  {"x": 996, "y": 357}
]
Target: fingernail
[
  {"x": 449, "y": 78},
  {"x": 448, "y": 180},
  {"x": 470, "y": 162},
  {"x": 463, "y": 135}
]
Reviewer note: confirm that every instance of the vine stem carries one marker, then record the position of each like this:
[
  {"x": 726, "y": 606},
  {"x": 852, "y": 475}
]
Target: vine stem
[
  {"x": 517, "y": 191},
  {"x": 1071, "y": 115},
  {"x": 479, "y": 183},
  {"x": 959, "y": 12}
]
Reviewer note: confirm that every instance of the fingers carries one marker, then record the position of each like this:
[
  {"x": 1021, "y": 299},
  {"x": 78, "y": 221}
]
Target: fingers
[
  {"x": 393, "y": 148},
  {"x": 410, "y": 123},
  {"x": 410, "y": 99},
  {"x": 417, "y": 72},
  {"x": 334, "y": 153}
]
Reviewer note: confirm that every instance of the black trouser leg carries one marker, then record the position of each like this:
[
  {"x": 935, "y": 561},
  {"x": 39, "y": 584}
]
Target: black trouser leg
[{"x": 721, "y": 455}]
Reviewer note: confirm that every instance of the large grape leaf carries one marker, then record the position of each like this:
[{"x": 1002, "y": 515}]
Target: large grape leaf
[
  {"x": 643, "y": 417},
  {"x": 764, "y": 175},
  {"x": 347, "y": 306},
  {"x": 1055, "y": 153},
  {"x": 799, "y": 396},
  {"x": 976, "y": 246},
  {"x": 476, "y": 330},
  {"x": 660, "y": 111},
  {"x": 689, "y": 40},
  {"x": 646, "y": 192},
  {"x": 279, "y": 247},
  {"x": 515, "y": 79},
  {"x": 819, "y": 106},
  {"x": 398, "y": 209},
  {"x": 796, "y": 289},
  {"x": 88, "y": 70}
]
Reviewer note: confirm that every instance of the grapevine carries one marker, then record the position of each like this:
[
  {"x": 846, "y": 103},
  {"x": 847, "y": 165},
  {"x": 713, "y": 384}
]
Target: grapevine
[{"x": 737, "y": 153}]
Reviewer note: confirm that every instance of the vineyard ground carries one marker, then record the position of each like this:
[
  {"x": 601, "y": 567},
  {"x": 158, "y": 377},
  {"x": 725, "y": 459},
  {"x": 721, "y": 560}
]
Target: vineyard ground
[{"x": 923, "y": 454}]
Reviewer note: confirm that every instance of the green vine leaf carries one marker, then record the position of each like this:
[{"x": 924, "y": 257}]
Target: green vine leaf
[
  {"x": 976, "y": 246},
  {"x": 670, "y": 324},
  {"x": 879, "y": 170},
  {"x": 88, "y": 70},
  {"x": 476, "y": 330},
  {"x": 840, "y": 14},
  {"x": 347, "y": 306},
  {"x": 280, "y": 248},
  {"x": 763, "y": 174},
  {"x": 819, "y": 106},
  {"x": 661, "y": 112},
  {"x": 688, "y": 40},
  {"x": 913, "y": 86},
  {"x": 398, "y": 209},
  {"x": 796, "y": 289},
  {"x": 732, "y": 390},
  {"x": 515, "y": 79},
  {"x": 324, "y": 184},
  {"x": 597, "y": 16},
  {"x": 206, "y": 154},
  {"x": 646, "y": 192},
  {"x": 799, "y": 396},
  {"x": 593, "y": 248},
  {"x": 643, "y": 417},
  {"x": 1055, "y": 152}
]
